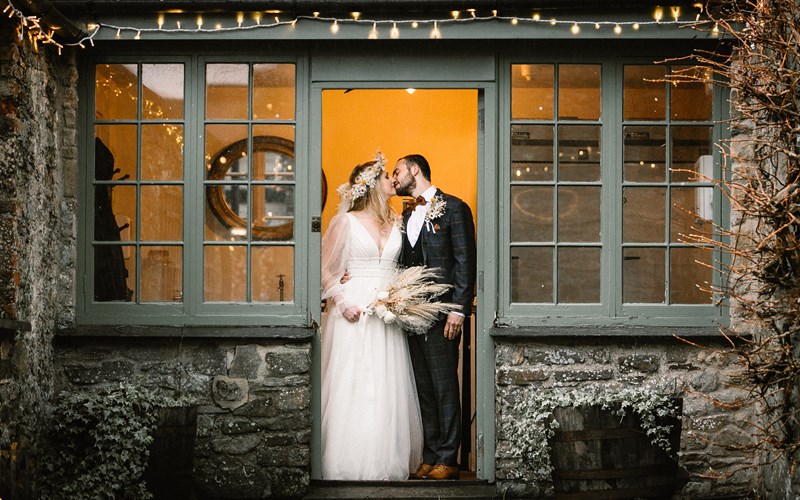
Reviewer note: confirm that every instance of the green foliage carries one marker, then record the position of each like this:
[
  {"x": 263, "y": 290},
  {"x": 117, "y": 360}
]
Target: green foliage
[
  {"x": 534, "y": 424},
  {"x": 99, "y": 444}
]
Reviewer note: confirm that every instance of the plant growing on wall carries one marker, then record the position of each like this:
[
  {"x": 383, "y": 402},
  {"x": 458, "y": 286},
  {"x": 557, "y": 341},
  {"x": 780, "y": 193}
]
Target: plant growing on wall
[
  {"x": 99, "y": 443},
  {"x": 762, "y": 183},
  {"x": 535, "y": 425}
]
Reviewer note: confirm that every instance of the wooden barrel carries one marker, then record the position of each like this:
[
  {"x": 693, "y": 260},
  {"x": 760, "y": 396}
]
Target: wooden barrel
[
  {"x": 171, "y": 463},
  {"x": 597, "y": 454}
]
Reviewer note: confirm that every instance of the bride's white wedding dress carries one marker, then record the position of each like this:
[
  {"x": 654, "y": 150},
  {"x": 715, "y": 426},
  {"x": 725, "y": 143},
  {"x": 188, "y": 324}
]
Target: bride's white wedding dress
[{"x": 371, "y": 426}]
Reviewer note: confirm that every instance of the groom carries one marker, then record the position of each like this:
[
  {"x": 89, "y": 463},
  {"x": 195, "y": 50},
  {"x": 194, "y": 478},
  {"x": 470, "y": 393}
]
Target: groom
[{"x": 440, "y": 234}]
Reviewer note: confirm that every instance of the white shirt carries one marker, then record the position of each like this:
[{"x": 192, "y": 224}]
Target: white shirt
[{"x": 417, "y": 218}]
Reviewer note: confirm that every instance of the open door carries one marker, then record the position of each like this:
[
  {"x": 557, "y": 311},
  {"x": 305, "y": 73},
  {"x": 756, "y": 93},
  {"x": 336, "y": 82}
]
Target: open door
[{"x": 443, "y": 126}]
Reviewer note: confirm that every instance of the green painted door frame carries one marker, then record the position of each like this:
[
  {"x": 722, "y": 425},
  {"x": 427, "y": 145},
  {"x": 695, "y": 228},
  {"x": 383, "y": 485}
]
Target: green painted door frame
[{"x": 462, "y": 72}]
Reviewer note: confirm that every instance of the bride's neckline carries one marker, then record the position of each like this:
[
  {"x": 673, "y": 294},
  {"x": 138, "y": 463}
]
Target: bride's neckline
[{"x": 380, "y": 243}]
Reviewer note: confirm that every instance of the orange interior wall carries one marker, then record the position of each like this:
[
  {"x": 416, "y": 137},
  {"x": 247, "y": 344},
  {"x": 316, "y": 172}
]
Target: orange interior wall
[{"x": 441, "y": 125}]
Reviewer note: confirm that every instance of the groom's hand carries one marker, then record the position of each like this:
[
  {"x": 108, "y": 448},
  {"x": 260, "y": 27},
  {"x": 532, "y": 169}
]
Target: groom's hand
[{"x": 453, "y": 326}]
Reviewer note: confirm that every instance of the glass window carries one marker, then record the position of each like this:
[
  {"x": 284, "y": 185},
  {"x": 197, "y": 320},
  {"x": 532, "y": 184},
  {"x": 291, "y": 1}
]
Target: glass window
[
  {"x": 579, "y": 242},
  {"x": 556, "y": 184},
  {"x": 169, "y": 235},
  {"x": 667, "y": 191},
  {"x": 138, "y": 183},
  {"x": 249, "y": 183}
]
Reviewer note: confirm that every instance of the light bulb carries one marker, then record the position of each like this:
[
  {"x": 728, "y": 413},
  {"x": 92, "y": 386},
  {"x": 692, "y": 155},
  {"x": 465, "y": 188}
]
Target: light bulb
[
  {"x": 575, "y": 29},
  {"x": 455, "y": 14},
  {"x": 335, "y": 27},
  {"x": 658, "y": 14},
  {"x": 160, "y": 21},
  {"x": 617, "y": 29},
  {"x": 536, "y": 16},
  {"x": 394, "y": 33},
  {"x": 373, "y": 33},
  {"x": 239, "y": 18},
  {"x": 435, "y": 33}
]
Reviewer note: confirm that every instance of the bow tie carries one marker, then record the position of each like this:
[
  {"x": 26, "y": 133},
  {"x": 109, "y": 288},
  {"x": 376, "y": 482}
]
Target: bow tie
[{"x": 419, "y": 201}]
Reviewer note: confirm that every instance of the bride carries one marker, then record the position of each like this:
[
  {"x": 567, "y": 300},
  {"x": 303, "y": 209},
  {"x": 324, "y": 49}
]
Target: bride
[{"x": 371, "y": 427}]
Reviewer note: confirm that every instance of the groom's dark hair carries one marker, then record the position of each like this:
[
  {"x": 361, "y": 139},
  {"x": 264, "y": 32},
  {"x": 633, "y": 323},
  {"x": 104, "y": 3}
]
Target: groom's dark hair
[{"x": 421, "y": 162}]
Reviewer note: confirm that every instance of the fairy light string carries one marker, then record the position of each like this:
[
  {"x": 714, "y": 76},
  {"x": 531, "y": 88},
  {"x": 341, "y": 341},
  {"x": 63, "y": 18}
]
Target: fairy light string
[{"x": 38, "y": 32}]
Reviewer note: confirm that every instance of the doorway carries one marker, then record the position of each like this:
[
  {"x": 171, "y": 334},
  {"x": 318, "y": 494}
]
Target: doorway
[{"x": 440, "y": 124}]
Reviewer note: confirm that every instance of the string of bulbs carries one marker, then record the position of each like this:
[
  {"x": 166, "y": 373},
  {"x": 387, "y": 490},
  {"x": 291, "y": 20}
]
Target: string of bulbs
[{"x": 37, "y": 32}]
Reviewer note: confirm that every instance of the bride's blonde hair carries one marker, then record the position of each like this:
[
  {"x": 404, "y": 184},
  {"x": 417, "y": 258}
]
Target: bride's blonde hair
[{"x": 375, "y": 200}]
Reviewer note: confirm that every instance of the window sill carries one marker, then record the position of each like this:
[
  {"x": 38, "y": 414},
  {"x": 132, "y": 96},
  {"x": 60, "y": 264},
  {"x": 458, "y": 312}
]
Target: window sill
[
  {"x": 298, "y": 333},
  {"x": 604, "y": 331},
  {"x": 12, "y": 325}
]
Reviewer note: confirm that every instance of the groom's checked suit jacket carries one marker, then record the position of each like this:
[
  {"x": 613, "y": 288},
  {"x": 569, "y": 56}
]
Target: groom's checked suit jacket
[{"x": 448, "y": 244}]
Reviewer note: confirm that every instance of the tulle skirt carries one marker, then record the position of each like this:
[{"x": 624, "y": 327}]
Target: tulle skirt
[{"x": 371, "y": 425}]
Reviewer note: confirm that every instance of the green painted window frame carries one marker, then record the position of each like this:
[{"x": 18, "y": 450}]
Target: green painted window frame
[
  {"x": 611, "y": 311},
  {"x": 192, "y": 311}
]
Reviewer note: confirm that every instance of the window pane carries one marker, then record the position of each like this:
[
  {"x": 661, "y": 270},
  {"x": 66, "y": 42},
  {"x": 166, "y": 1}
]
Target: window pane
[
  {"x": 162, "y": 275},
  {"x": 226, "y": 212},
  {"x": 578, "y": 275},
  {"x": 162, "y": 152},
  {"x": 645, "y": 93},
  {"x": 531, "y": 213},
  {"x": 643, "y": 215},
  {"x": 115, "y": 213},
  {"x": 532, "y": 153},
  {"x": 532, "y": 275},
  {"x": 273, "y": 274},
  {"x": 690, "y": 275},
  {"x": 162, "y": 213},
  {"x": 579, "y": 91},
  {"x": 224, "y": 273},
  {"x": 273, "y": 208},
  {"x": 645, "y": 154},
  {"x": 273, "y": 155},
  {"x": 691, "y": 213},
  {"x": 162, "y": 91},
  {"x": 578, "y": 214},
  {"x": 691, "y": 154},
  {"x": 273, "y": 91},
  {"x": 226, "y": 152},
  {"x": 532, "y": 91},
  {"x": 691, "y": 100},
  {"x": 643, "y": 275},
  {"x": 114, "y": 273},
  {"x": 579, "y": 153},
  {"x": 226, "y": 91},
  {"x": 116, "y": 91},
  {"x": 115, "y": 149}
]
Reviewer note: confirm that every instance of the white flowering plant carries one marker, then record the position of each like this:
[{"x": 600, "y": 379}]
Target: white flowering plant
[
  {"x": 409, "y": 300},
  {"x": 534, "y": 424}
]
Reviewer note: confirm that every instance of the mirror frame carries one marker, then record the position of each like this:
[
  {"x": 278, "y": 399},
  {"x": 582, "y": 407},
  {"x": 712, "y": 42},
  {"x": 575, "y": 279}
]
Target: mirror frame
[{"x": 216, "y": 197}]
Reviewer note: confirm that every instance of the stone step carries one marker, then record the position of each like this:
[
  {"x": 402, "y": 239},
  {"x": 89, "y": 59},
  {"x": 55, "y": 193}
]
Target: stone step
[{"x": 408, "y": 490}]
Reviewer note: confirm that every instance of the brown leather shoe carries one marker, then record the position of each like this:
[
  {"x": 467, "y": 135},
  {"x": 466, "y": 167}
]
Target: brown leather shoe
[
  {"x": 423, "y": 470},
  {"x": 441, "y": 471}
]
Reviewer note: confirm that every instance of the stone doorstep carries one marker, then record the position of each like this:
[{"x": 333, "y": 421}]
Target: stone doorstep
[{"x": 408, "y": 490}]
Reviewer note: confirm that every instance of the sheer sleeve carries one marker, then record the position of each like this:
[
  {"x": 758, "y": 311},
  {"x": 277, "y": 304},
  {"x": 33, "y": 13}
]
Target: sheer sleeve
[{"x": 335, "y": 249}]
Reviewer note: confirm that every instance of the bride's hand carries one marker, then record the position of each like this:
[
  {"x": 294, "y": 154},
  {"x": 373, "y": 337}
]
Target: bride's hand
[{"x": 352, "y": 313}]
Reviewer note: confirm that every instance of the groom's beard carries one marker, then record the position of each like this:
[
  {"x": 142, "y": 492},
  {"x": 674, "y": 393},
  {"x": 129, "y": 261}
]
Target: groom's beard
[{"x": 406, "y": 186}]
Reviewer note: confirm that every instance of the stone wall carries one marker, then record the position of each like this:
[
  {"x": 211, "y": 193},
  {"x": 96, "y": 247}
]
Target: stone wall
[
  {"x": 253, "y": 403},
  {"x": 38, "y": 103},
  {"x": 698, "y": 375}
]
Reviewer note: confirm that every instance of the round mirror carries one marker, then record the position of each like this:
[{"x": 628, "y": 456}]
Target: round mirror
[{"x": 270, "y": 177}]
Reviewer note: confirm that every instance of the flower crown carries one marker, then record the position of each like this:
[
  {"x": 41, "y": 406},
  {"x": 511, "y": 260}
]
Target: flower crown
[{"x": 366, "y": 180}]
